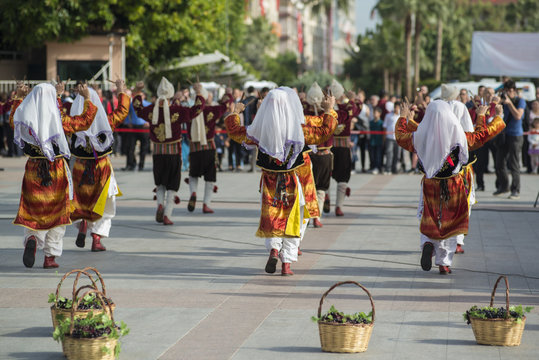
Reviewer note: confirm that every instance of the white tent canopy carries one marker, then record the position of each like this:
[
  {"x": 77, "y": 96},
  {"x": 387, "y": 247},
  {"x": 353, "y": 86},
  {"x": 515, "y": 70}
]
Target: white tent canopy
[{"x": 511, "y": 54}]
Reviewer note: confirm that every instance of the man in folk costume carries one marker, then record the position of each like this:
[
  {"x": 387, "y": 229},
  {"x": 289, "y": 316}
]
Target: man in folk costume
[
  {"x": 341, "y": 149},
  {"x": 461, "y": 112},
  {"x": 322, "y": 158},
  {"x": 201, "y": 131},
  {"x": 93, "y": 177},
  {"x": 40, "y": 129},
  {"x": 442, "y": 147},
  {"x": 165, "y": 133},
  {"x": 281, "y": 133}
]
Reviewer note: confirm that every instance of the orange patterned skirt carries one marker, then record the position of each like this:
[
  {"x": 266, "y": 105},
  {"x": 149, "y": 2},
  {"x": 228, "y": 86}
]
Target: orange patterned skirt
[
  {"x": 44, "y": 200},
  {"x": 443, "y": 219},
  {"x": 280, "y": 214},
  {"x": 89, "y": 180},
  {"x": 306, "y": 178}
]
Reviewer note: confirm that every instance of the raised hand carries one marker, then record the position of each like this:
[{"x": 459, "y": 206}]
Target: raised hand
[
  {"x": 120, "y": 86},
  {"x": 328, "y": 103},
  {"x": 238, "y": 107},
  {"x": 84, "y": 91},
  {"x": 499, "y": 110},
  {"x": 198, "y": 88},
  {"x": 22, "y": 89},
  {"x": 482, "y": 110},
  {"x": 139, "y": 86}
]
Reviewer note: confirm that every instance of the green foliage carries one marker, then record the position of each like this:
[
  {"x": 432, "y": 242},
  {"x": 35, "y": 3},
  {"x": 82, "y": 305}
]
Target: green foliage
[
  {"x": 283, "y": 69},
  {"x": 335, "y": 316},
  {"x": 487, "y": 312},
  {"x": 93, "y": 326},
  {"x": 306, "y": 79},
  {"x": 89, "y": 301}
]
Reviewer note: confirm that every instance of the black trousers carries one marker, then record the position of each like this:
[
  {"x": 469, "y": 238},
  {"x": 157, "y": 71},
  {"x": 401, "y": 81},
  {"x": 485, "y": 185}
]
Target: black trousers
[
  {"x": 132, "y": 139},
  {"x": 508, "y": 153}
]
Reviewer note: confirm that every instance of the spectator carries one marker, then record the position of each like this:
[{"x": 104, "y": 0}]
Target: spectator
[
  {"x": 372, "y": 103},
  {"x": 134, "y": 122},
  {"x": 248, "y": 115},
  {"x": 509, "y": 142},
  {"x": 376, "y": 142},
  {"x": 463, "y": 96},
  {"x": 533, "y": 148},
  {"x": 361, "y": 141},
  {"x": 391, "y": 148}
]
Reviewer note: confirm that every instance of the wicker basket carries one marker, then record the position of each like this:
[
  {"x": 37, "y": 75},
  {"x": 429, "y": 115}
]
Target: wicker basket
[
  {"x": 345, "y": 338},
  {"x": 88, "y": 348},
  {"x": 504, "y": 332},
  {"x": 79, "y": 313}
]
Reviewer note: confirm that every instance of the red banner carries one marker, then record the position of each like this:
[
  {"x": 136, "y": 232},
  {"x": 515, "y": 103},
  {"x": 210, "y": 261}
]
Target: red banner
[{"x": 300, "y": 33}]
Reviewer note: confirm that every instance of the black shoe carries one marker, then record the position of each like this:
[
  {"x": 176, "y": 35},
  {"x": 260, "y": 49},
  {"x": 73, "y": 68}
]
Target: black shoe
[
  {"x": 514, "y": 195},
  {"x": 426, "y": 256},
  {"x": 480, "y": 188},
  {"x": 29, "y": 256},
  {"x": 500, "y": 192}
]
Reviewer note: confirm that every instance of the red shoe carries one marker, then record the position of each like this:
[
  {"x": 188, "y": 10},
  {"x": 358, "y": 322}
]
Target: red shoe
[
  {"x": 81, "y": 237},
  {"x": 159, "y": 214},
  {"x": 285, "y": 270},
  {"x": 459, "y": 250},
  {"x": 192, "y": 202},
  {"x": 96, "y": 243},
  {"x": 326, "y": 204},
  {"x": 338, "y": 211},
  {"x": 444, "y": 270},
  {"x": 206, "y": 209},
  {"x": 272, "y": 261},
  {"x": 317, "y": 223},
  {"x": 166, "y": 221},
  {"x": 299, "y": 252},
  {"x": 29, "y": 255},
  {"x": 49, "y": 263}
]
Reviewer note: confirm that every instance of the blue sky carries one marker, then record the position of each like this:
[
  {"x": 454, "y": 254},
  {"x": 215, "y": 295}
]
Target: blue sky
[{"x": 363, "y": 15}]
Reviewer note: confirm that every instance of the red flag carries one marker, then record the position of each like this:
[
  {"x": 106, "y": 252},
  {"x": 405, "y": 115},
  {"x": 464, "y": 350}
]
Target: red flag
[
  {"x": 278, "y": 3},
  {"x": 262, "y": 10},
  {"x": 300, "y": 33}
]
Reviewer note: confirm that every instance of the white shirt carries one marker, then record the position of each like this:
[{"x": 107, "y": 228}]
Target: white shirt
[{"x": 389, "y": 124}]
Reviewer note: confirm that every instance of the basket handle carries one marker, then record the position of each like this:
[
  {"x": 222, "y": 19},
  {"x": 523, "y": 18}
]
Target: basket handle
[
  {"x": 343, "y": 283},
  {"x": 99, "y": 295},
  {"x": 78, "y": 271},
  {"x": 506, "y": 293},
  {"x": 85, "y": 270}
]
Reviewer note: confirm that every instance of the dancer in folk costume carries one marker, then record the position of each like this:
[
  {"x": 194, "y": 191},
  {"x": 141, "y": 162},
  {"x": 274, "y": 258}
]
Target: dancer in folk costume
[
  {"x": 95, "y": 186},
  {"x": 341, "y": 149},
  {"x": 47, "y": 190},
  {"x": 322, "y": 158},
  {"x": 281, "y": 132},
  {"x": 442, "y": 147},
  {"x": 202, "y": 155},
  {"x": 165, "y": 133}
]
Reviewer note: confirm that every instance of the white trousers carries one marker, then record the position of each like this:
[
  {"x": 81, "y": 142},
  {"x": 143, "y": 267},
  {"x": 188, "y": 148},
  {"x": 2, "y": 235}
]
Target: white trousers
[
  {"x": 341, "y": 192},
  {"x": 288, "y": 246},
  {"x": 102, "y": 226},
  {"x": 321, "y": 196},
  {"x": 443, "y": 249},
  {"x": 51, "y": 241}
]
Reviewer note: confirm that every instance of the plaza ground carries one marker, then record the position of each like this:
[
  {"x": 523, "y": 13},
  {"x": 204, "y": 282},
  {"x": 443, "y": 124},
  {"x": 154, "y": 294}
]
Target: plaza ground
[{"x": 198, "y": 290}]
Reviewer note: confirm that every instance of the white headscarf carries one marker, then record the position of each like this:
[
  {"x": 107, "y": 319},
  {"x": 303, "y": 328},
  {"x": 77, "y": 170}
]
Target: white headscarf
[
  {"x": 449, "y": 92},
  {"x": 461, "y": 112},
  {"x": 165, "y": 91},
  {"x": 99, "y": 126},
  {"x": 437, "y": 135},
  {"x": 276, "y": 127},
  {"x": 198, "y": 125},
  {"x": 37, "y": 121}
]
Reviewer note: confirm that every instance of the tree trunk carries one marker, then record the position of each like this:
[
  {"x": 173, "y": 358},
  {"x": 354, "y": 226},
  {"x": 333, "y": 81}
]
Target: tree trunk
[
  {"x": 386, "y": 79},
  {"x": 391, "y": 89},
  {"x": 408, "y": 55},
  {"x": 417, "y": 44},
  {"x": 398, "y": 90},
  {"x": 439, "y": 43},
  {"x": 329, "y": 35}
]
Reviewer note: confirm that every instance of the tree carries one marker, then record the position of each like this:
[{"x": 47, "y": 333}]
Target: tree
[{"x": 326, "y": 6}]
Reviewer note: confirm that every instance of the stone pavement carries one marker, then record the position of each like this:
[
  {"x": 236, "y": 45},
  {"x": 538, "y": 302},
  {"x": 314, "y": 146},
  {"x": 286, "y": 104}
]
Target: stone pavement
[{"x": 197, "y": 290}]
